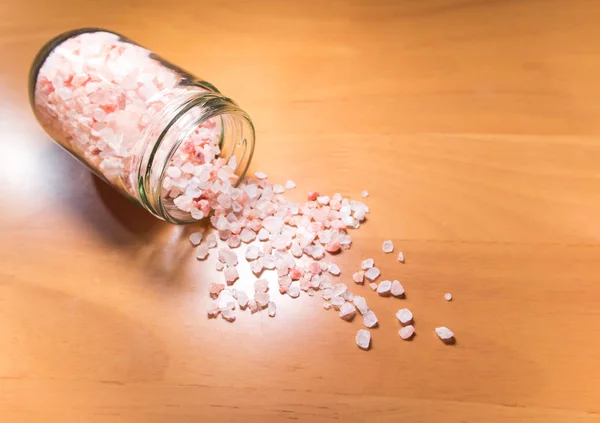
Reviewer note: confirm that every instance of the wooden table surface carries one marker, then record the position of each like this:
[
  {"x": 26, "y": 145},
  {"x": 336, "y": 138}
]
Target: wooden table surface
[{"x": 473, "y": 124}]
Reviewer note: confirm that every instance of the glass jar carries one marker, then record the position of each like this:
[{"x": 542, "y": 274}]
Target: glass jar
[{"x": 153, "y": 131}]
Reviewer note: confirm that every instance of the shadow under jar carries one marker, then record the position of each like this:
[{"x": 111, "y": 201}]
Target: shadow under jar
[{"x": 163, "y": 138}]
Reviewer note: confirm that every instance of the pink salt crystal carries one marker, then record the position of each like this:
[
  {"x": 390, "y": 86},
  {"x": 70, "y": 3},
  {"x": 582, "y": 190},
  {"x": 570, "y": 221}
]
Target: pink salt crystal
[
  {"x": 284, "y": 281},
  {"x": 404, "y": 315},
  {"x": 269, "y": 262},
  {"x": 242, "y": 299},
  {"x": 252, "y": 253},
  {"x": 219, "y": 266},
  {"x": 407, "y": 332},
  {"x": 324, "y": 266},
  {"x": 373, "y": 286},
  {"x": 363, "y": 339},
  {"x": 263, "y": 234},
  {"x": 253, "y": 306},
  {"x": 337, "y": 302},
  {"x": 448, "y": 296},
  {"x": 290, "y": 184},
  {"x": 256, "y": 266},
  {"x": 228, "y": 257},
  {"x": 296, "y": 250},
  {"x": 211, "y": 241},
  {"x": 260, "y": 175},
  {"x": 202, "y": 252},
  {"x": 347, "y": 311},
  {"x": 278, "y": 189},
  {"x": 361, "y": 304},
  {"x": 401, "y": 257},
  {"x": 369, "y": 319},
  {"x": 334, "y": 269},
  {"x": 444, "y": 333},
  {"x": 294, "y": 291},
  {"x": 372, "y": 274},
  {"x": 272, "y": 308},
  {"x": 323, "y": 200},
  {"x": 273, "y": 224},
  {"x": 312, "y": 195},
  {"x": 213, "y": 310},
  {"x": 296, "y": 273},
  {"x": 234, "y": 241},
  {"x": 367, "y": 264},
  {"x": 196, "y": 238},
  {"x": 314, "y": 268},
  {"x": 397, "y": 289},
  {"x": 358, "y": 277},
  {"x": 247, "y": 235},
  {"x": 384, "y": 288},
  {"x": 224, "y": 234},
  {"x": 261, "y": 285},
  {"x": 388, "y": 246},
  {"x": 261, "y": 298},
  {"x": 231, "y": 274},
  {"x": 326, "y": 305},
  {"x": 305, "y": 284},
  {"x": 333, "y": 247},
  {"x": 311, "y": 293},
  {"x": 228, "y": 315}
]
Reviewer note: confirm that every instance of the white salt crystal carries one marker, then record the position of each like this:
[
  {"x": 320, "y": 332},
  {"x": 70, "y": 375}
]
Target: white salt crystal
[
  {"x": 261, "y": 298},
  {"x": 323, "y": 200},
  {"x": 367, "y": 264},
  {"x": 196, "y": 238},
  {"x": 234, "y": 241},
  {"x": 372, "y": 274},
  {"x": 290, "y": 184},
  {"x": 219, "y": 266},
  {"x": 278, "y": 189},
  {"x": 397, "y": 289},
  {"x": 174, "y": 172},
  {"x": 337, "y": 302},
  {"x": 347, "y": 311},
  {"x": 373, "y": 286},
  {"x": 202, "y": 252},
  {"x": 272, "y": 309},
  {"x": 261, "y": 285},
  {"x": 361, "y": 304},
  {"x": 401, "y": 257},
  {"x": 358, "y": 277},
  {"x": 294, "y": 291},
  {"x": 407, "y": 332},
  {"x": 334, "y": 269},
  {"x": 253, "y": 306},
  {"x": 444, "y": 333},
  {"x": 256, "y": 266},
  {"x": 404, "y": 315},
  {"x": 260, "y": 175},
  {"x": 384, "y": 288},
  {"x": 326, "y": 305},
  {"x": 228, "y": 315},
  {"x": 448, "y": 296},
  {"x": 263, "y": 234},
  {"x": 369, "y": 319},
  {"x": 363, "y": 339},
  {"x": 388, "y": 246},
  {"x": 364, "y": 194},
  {"x": 273, "y": 224}
]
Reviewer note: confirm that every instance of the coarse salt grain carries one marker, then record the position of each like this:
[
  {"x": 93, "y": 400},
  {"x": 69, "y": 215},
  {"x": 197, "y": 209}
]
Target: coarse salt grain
[
  {"x": 231, "y": 274},
  {"x": 347, "y": 311},
  {"x": 260, "y": 175},
  {"x": 372, "y": 274},
  {"x": 404, "y": 315},
  {"x": 361, "y": 304},
  {"x": 202, "y": 252},
  {"x": 215, "y": 289},
  {"x": 242, "y": 299},
  {"x": 448, "y": 296},
  {"x": 388, "y": 246},
  {"x": 261, "y": 298},
  {"x": 384, "y": 288},
  {"x": 364, "y": 194},
  {"x": 290, "y": 184},
  {"x": 337, "y": 302},
  {"x": 358, "y": 277},
  {"x": 228, "y": 257},
  {"x": 327, "y": 305},
  {"x": 407, "y": 332},
  {"x": 401, "y": 257},
  {"x": 397, "y": 289},
  {"x": 196, "y": 238},
  {"x": 444, "y": 333},
  {"x": 272, "y": 309},
  {"x": 334, "y": 269},
  {"x": 369, "y": 319},
  {"x": 294, "y": 291},
  {"x": 211, "y": 241},
  {"x": 363, "y": 339},
  {"x": 367, "y": 264},
  {"x": 373, "y": 286}
]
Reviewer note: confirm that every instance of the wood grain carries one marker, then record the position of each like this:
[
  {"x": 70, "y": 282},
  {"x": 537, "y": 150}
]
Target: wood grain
[{"x": 473, "y": 124}]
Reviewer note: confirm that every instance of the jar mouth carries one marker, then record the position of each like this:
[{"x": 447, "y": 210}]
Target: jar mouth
[{"x": 235, "y": 140}]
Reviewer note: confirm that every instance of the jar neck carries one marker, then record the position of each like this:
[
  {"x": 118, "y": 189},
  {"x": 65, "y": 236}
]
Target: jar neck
[{"x": 171, "y": 128}]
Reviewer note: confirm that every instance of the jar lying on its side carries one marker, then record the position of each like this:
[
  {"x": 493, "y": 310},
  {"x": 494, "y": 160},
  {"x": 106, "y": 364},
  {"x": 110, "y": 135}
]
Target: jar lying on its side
[{"x": 162, "y": 137}]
